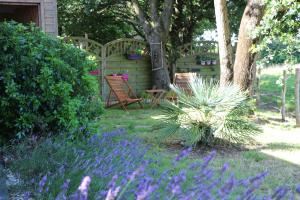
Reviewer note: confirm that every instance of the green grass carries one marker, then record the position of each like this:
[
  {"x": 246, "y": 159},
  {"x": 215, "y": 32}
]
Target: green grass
[
  {"x": 142, "y": 123},
  {"x": 272, "y": 91},
  {"x": 244, "y": 163}
]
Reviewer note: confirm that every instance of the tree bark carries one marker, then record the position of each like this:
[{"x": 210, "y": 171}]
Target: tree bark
[
  {"x": 160, "y": 73},
  {"x": 283, "y": 94},
  {"x": 258, "y": 88},
  {"x": 244, "y": 64},
  {"x": 297, "y": 97},
  {"x": 156, "y": 27},
  {"x": 225, "y": 48}
]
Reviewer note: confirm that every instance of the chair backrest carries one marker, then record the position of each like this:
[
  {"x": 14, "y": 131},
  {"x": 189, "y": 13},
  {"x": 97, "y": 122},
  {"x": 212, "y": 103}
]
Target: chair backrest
[
  {"x": 118, "y": 86},
  {"x": 182, "y": 80}
]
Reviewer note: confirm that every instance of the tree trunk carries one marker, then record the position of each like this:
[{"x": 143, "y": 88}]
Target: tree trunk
[
  {"x": 156, "y": 26},
  {"x": 297, "y": 97},
  {"x": 283, "y": 94},
  {"x": 244, "y": 64},
  {"x": 160, "y": 73},
  {"x": 225, "y": 48},
  {"x": 258, "y": 88}
]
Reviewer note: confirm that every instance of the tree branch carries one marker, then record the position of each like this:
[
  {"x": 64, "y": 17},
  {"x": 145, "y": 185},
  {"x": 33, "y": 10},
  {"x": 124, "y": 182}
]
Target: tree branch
[
  {"x": 154, "y": 10},
  {"x": 141, "y": 15},
  {"x": 165, "y": 17}
]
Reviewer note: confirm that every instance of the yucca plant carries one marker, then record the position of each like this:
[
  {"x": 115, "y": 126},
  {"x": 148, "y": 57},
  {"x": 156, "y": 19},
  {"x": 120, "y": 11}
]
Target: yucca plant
[{"x": 207, "y": 112}]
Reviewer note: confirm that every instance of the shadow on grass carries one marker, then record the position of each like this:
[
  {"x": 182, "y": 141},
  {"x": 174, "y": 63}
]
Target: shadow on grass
[{"x": 282, "y": 146}]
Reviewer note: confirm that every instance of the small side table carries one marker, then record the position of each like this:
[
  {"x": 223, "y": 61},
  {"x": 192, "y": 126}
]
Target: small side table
[{"x": 156, "y": 96}]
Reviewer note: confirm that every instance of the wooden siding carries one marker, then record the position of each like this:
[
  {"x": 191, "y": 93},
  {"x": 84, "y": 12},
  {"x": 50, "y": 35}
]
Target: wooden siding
[
  {"x": 47, "y": 13},
  {"x": 190, "y": 53}
]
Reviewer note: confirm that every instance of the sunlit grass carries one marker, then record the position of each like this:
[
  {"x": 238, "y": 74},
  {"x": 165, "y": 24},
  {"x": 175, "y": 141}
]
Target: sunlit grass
[{"x": 244, "y": 162}]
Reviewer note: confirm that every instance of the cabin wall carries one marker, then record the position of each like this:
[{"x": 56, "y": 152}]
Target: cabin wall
[{"x": 42, "y": 12}]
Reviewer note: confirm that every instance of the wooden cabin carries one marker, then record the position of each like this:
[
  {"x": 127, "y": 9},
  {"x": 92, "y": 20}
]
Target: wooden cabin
[{"x": 41, "y": 12}]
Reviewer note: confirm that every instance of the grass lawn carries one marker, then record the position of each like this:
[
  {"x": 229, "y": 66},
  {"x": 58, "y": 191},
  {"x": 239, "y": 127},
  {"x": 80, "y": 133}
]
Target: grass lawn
[
  {"x": 271, "y": 91},
  {"x": 277, "y": 149}
]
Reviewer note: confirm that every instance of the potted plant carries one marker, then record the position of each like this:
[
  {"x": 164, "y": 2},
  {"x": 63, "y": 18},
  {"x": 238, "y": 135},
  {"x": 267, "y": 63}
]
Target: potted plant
[
  {"x": 134, "y": 54},
  {"x": 200, "y": 60},
  {"x": 124, "y": 75},
  {"x": 171, "y": 96}
]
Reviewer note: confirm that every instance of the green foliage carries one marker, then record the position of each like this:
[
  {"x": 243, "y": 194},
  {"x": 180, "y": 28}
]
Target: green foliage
[
  {"x": 274, "y": 53},
  {"x": 209, "y": 112},
  {"x": 279, "y": 31},
  {"x": 103, "y": 20},
  {"x": 44, "y": 84}
]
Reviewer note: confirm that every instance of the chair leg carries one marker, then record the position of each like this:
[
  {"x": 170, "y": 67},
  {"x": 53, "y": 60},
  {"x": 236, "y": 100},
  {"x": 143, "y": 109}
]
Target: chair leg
[
  {"x": 124, "y": 106},
  {"x": 141, "y": 105},
  {"x": 107, "y": 102}
]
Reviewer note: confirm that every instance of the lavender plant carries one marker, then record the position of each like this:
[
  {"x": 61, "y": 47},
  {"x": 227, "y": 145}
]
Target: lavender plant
[{"x": 121, "y": 169}]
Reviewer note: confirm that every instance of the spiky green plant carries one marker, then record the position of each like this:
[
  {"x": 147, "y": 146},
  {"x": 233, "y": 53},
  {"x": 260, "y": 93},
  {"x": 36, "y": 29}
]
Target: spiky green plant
[{"x": 208, "y": 112}]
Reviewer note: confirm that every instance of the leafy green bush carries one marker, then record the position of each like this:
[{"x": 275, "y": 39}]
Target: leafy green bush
[
  {"x": 209, "y": 112},
  {"x": 44, "y": 84}
]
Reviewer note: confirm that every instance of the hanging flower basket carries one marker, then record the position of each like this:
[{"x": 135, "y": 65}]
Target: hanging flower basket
[{"x": 134, "y": 56}]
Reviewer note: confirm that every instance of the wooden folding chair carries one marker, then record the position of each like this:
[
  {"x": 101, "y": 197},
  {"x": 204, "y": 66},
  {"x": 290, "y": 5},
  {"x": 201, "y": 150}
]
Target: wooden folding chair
[
  {"x": 122, "y": 91},
  {"x": 182, "y": 80}
]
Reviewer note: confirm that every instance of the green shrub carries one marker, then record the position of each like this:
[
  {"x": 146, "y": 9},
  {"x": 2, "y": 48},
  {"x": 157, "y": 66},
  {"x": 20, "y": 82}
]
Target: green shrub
[
  {"x": 210, "y": 112},
  {"x": 44, "y": 84}
]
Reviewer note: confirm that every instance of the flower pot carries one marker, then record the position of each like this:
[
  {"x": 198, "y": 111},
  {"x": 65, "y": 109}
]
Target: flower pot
[
  {"x": 134, "y": 56},
  {"x": 203, "y": 62},
  {"x": 208, "y": 62},
  {"x": 95, "y": 72},
  {"x": 213, "y": 62}
]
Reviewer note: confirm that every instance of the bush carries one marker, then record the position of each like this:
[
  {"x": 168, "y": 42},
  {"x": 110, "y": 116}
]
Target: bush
[
  {"x": 208, "y": 113},
  {"x": 44, "y": 84}
]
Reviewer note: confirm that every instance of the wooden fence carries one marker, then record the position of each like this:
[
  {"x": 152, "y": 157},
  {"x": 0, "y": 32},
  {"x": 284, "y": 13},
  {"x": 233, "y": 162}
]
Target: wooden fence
[
  {"x": 201, "y": 57},
  {"x": 112, "y": 60}
]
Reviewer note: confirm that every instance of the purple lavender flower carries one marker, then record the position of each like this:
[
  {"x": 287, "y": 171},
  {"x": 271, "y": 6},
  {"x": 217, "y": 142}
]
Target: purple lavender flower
[
  {"x": 224, "y": 168},
  {"x": 26, "y": 195},
  {"x": 136, "y": 172},
  {"x": 66, "y": 184},
  {"x": 280, "y": 193},
  {"x": 182, "y": 155},
  {"x": 145, "y": 193},
  {"x": 42, "y": 183},
  {"x": 83, "y": 188},
  {"x": 208, "y": 158},
  {"x": 112, "y": 193},
  {"x": 298, "y": 189}
]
